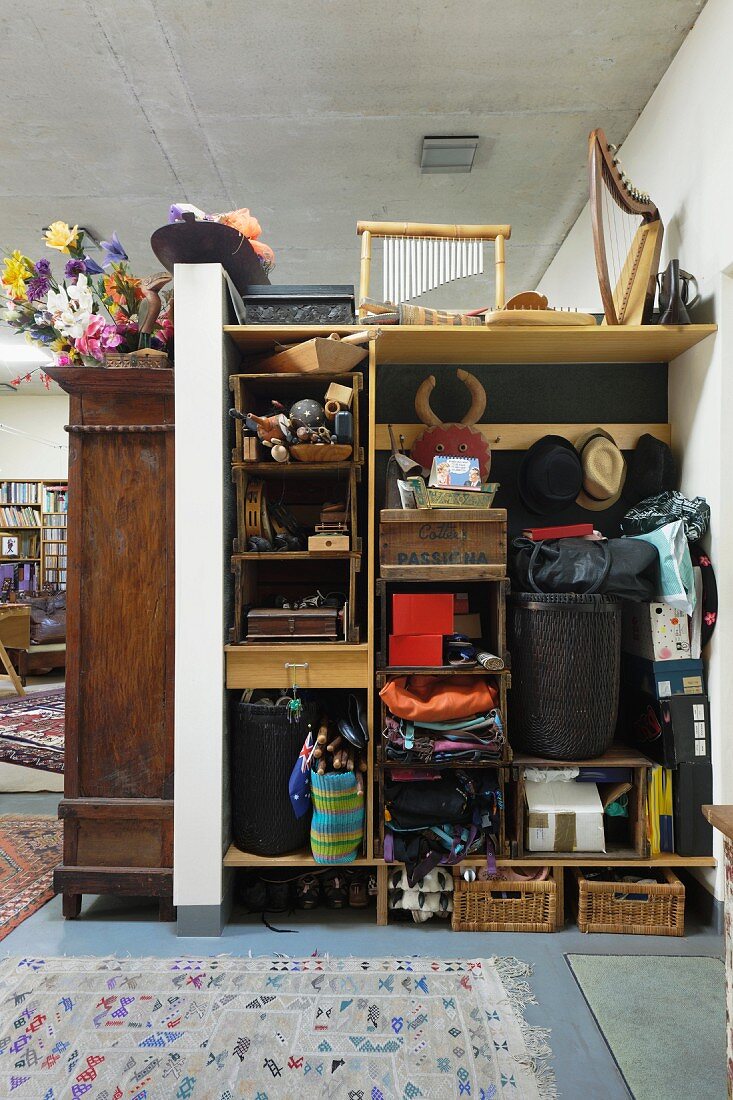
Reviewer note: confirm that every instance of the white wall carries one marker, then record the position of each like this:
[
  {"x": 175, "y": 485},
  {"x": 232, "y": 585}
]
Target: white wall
[
  {"x": 43, "y": 418},
  {"x": 681, "y": 152}
]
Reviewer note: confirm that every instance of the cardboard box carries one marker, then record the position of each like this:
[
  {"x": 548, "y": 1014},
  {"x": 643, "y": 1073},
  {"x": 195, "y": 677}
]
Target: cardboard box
[
  {"x": 692, "y": 787},
  {"x": 415, "y": 649},
  {"x": 662, "y": 678},
  {"x": 655, "y": 631},
  {"x": 470, "y": 625},
  {"x": 564, "y": 817},
  {"x": 671, "y": 731},
  {"x": 423, "y": 613}
]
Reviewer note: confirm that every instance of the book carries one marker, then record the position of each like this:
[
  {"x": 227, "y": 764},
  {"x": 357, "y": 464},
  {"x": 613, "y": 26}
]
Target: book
[{"x": 568, "y": 531}]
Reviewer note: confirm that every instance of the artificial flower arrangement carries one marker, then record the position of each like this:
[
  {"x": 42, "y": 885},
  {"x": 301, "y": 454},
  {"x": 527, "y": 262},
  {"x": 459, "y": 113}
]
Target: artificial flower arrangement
[
  {"x": 241, "y": 220},
  {"x": 94, "y": 310}
]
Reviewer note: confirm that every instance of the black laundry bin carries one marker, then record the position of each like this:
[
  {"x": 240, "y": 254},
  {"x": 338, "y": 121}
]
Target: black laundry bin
[
  {"x": 265, "y": 746},
  {"x": 566, "y": 665}
]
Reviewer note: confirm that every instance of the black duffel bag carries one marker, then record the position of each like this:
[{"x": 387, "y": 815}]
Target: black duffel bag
[
  {"x": 436, "y": 802},
  {"x": 627, "y": 568}
]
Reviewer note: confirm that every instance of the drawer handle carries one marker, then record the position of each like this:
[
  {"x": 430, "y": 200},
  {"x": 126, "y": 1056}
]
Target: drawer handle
[{"x": 292, "y": 664}]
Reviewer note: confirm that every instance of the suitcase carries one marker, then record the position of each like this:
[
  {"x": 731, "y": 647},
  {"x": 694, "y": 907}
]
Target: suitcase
[{"x": 306, "y": 622}]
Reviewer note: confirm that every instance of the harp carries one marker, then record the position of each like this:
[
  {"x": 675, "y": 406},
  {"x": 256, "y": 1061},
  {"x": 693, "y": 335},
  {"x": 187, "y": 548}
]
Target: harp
[
  {"x": 627, "y": 237},
  {"x": 417, "y": 257}
]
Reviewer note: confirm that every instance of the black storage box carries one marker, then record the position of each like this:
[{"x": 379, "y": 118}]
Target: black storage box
[
  {"x": 671, "y": 731},
  {"x": 692, "y": 788},
  {"x": 296, "y": 305}
]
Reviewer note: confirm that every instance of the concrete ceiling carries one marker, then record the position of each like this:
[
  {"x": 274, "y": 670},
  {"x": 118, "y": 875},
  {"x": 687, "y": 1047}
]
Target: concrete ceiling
[{"x": 311, "y": 112}]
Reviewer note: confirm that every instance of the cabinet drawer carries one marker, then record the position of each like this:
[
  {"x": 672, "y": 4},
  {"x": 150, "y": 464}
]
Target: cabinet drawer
[{"x": 265, "y": 666}]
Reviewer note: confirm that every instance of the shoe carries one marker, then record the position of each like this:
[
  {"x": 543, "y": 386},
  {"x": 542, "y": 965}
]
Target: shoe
[
  {"x": 254, "y": 895},
  {"x": 335, "y": 889},
  {"x": 278, "y": 896},
  {"x": 358, "y": 890},
  {"x": 307, "y": 892}
]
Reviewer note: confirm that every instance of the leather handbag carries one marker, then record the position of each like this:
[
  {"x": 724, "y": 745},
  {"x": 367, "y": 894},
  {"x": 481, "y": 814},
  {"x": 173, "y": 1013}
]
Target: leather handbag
[
  {"x": 626, "y": 568},
  {"x": 439, "y": 698}
]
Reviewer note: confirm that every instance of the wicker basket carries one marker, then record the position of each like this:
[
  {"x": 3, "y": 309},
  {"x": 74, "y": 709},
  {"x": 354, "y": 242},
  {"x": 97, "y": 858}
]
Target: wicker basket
[
  {"x": 506, "y": 906},
  {"x": 265, "y": 746},
  {"x": 651, "y": 910},
  {"x": 566, "y": 663}
]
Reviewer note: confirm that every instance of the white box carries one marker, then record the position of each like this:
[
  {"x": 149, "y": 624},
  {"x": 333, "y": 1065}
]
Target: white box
[
  {"x": 564, "y": 817},
  {"x": 655, "y": 631}
]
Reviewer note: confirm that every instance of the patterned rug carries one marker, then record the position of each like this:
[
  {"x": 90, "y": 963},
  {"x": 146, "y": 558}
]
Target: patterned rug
[
  {"x": 30, "y": 848},
  {"x": 32, "y": 730},
  {"x": 269, "y": 1029}
]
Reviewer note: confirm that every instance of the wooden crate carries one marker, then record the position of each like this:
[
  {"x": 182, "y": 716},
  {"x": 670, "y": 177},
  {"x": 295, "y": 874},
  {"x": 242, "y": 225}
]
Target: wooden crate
[
  {"x": 504, "y": 905},
  {"x": 254, "y": 393},
  {"x": 429, "y": 544},
  {"x": 637, "y": 846},
  {"x": 654, "y": 909}
]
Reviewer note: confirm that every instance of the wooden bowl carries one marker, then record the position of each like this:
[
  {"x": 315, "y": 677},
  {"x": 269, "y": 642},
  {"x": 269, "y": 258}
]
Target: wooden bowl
[{"x": 321, "y": 452}]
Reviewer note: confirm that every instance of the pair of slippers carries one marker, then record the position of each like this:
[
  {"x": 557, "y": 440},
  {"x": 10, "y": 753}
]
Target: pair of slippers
[
  {"x": 459, "y": 650},
  {"x": 353, "y": 726}
]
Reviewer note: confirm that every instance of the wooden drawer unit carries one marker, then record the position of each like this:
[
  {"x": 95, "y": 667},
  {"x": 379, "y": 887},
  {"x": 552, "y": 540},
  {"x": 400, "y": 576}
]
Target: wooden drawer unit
[
  {"x": 268, "y": 666},
  {"x": 446, "y": 543}
]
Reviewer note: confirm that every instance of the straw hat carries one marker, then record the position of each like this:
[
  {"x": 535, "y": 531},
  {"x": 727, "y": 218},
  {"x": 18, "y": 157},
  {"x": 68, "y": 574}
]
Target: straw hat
[{"x": 604, "y": 470}]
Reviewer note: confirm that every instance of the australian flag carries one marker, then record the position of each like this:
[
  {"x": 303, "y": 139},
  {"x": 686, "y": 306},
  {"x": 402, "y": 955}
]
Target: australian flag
[{"x": 300, "y": 778}]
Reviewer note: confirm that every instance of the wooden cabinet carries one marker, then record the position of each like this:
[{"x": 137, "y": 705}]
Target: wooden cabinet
[{"x": 118, "y": 788}]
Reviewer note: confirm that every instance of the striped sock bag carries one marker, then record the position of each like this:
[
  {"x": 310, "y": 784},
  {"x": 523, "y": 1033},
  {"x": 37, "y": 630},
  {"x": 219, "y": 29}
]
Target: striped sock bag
[{"x": 337, "y": 826}]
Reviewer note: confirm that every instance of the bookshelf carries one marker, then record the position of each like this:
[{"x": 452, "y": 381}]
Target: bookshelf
[{"x": 33, "y": 534}]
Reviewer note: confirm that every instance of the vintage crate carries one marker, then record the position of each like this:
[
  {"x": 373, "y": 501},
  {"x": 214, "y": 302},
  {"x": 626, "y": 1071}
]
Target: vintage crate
[
  {"x": 650, "y": 909},
  {"x": 504, "y": 905},
  {"x": 426, "y": 544},
  {"x": 296, "y": 305}
]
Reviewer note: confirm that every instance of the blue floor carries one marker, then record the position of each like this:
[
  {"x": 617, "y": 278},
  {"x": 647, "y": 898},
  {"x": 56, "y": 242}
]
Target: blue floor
[{"x": 584, "y": 1067}]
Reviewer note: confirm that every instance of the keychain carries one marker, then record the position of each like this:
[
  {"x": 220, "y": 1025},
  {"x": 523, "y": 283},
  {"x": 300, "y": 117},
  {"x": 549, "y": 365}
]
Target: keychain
[{"x": 295, "y": 706}]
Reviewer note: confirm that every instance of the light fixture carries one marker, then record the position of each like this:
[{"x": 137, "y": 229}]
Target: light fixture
[{"x": 448, "y": 154}]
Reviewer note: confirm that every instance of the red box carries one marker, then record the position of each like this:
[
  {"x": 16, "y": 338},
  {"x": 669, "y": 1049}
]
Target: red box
[
  {"x": 416, "y": 649},
  {"x": 427, "y": 613}
]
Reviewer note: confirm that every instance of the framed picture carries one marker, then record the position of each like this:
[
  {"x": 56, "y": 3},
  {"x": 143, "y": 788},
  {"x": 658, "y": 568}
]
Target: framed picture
[{"x": 9, "y": 546}]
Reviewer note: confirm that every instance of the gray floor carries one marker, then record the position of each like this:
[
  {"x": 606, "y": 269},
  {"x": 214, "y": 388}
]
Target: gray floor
[{"x": 584, "y": 1067}]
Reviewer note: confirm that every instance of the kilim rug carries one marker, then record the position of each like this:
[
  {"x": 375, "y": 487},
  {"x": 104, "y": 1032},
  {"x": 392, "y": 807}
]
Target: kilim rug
[
  {"x": 30, "y": 848},
  {"x": 32, "y": 730},
  {"x": 269, "y": 1029}
]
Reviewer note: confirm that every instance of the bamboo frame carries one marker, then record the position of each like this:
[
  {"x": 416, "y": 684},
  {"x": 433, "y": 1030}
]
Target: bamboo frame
[{"x": 499, "y": 234}]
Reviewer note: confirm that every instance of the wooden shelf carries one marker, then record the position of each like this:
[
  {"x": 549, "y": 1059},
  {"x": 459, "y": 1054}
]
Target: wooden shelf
[
  {"x": 440, "y": 670},
  {"x": 596, "y": 859},
  {"x": 721, "y": 818},
  {"x": 442, "y": 572},
  {"x": 297, "y": 555},
  {"x": 297, "y": 469},
  {"x": 618, "y": 756},
  {"x": 235, "y": 857},
  {"x": 437, "y": 344},
  {"x": 330, "y": 665}
]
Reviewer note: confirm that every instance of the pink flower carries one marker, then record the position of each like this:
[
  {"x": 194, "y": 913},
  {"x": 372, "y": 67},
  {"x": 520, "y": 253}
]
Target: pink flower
[
  {"x": 98, "y": 338},
  {"x": 710, "y": 617},
  {"x": 704, "y": 560},
  {"x": 63, "y": 360}
]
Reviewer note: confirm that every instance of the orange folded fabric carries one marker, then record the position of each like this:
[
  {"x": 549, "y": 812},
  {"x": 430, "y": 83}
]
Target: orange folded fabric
[{"x": 439, "y": 698}]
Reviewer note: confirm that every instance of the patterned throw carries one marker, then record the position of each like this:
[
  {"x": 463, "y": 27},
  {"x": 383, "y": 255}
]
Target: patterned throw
[
  {"x": 337, "y": 826},
  {"x": 30, "y": 848},
  {"x": 32, "y": 731},
  {"x": 269, "y": 1029}
]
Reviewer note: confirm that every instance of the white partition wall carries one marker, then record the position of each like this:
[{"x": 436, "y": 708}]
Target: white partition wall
[{"x": 202, "y": 612}]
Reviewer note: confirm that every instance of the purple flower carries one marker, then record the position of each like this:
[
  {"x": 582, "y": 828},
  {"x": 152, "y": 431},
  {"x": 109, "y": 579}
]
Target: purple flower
[
  {"x": 92, "y": 267},
  {"x": 43, "y": 268},
  {"x": 74, "y": 268},
  {"x": 37, "y": 288},
  {"x": 114, "y": 253}
]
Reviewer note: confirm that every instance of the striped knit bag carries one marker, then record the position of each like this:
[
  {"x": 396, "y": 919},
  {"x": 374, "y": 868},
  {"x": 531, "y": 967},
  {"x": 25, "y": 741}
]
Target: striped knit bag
[{"x": 337, "y": 826}]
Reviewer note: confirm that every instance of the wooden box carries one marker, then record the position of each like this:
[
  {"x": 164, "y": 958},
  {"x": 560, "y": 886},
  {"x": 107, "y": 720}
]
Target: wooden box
[
  {"x": 286, "y": 623},
  {"x": 428, "y": 544},
  {"x": 649, "y": 909},
  {"x": 505, "y": 905}
]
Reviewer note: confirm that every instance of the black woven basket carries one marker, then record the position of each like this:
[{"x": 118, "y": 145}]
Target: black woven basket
[
  {"x": 566, "y": 660},
  {"x": 265, "y": 747}
]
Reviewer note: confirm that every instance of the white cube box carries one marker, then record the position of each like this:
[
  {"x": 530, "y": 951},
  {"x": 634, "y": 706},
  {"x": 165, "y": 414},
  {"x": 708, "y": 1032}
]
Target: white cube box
[
  {"x": 564, "y": 817},
  {"x": 655, "y": 631}
]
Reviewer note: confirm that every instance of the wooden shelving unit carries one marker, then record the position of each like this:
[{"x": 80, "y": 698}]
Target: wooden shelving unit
[
  {"x": 355, "y": 665},
  {"x": 47, "y": 501}
]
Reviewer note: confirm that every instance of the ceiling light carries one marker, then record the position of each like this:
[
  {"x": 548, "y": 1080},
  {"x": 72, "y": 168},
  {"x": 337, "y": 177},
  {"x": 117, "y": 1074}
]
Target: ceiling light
[{"x": 448, "y": 154}]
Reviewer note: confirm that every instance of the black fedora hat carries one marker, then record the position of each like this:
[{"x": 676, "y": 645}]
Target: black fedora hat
[
  {"x": 651, "y": 470},
  {"x": 550, "y": 476}
]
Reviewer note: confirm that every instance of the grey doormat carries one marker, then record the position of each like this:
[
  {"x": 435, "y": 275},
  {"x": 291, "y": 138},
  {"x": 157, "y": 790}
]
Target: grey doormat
[{"x": 663, "y": 1018}]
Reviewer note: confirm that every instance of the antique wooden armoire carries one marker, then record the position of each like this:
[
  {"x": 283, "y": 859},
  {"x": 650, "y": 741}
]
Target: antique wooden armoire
[{"x": 118, "y": 787}]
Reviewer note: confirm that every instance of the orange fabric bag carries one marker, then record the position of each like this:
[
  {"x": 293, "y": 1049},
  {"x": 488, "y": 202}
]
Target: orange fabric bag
[{"x": 439, "y": 698}]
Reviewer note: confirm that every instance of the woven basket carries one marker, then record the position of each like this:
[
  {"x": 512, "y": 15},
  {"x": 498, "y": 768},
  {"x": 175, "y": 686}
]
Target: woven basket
[
  {"x": 657, "y": 909},
  {"x": 566, "y": 663},
  {"x": 265, "y": 747},
  {"x": 524, "y": 906}
]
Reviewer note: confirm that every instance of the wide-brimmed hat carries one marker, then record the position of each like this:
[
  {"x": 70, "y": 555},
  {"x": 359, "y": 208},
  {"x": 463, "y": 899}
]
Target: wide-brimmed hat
[
  {"x": 550, "y": 475},
  {"x": 652, "y": 470},
  {"x": 604, "y": 470}
]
